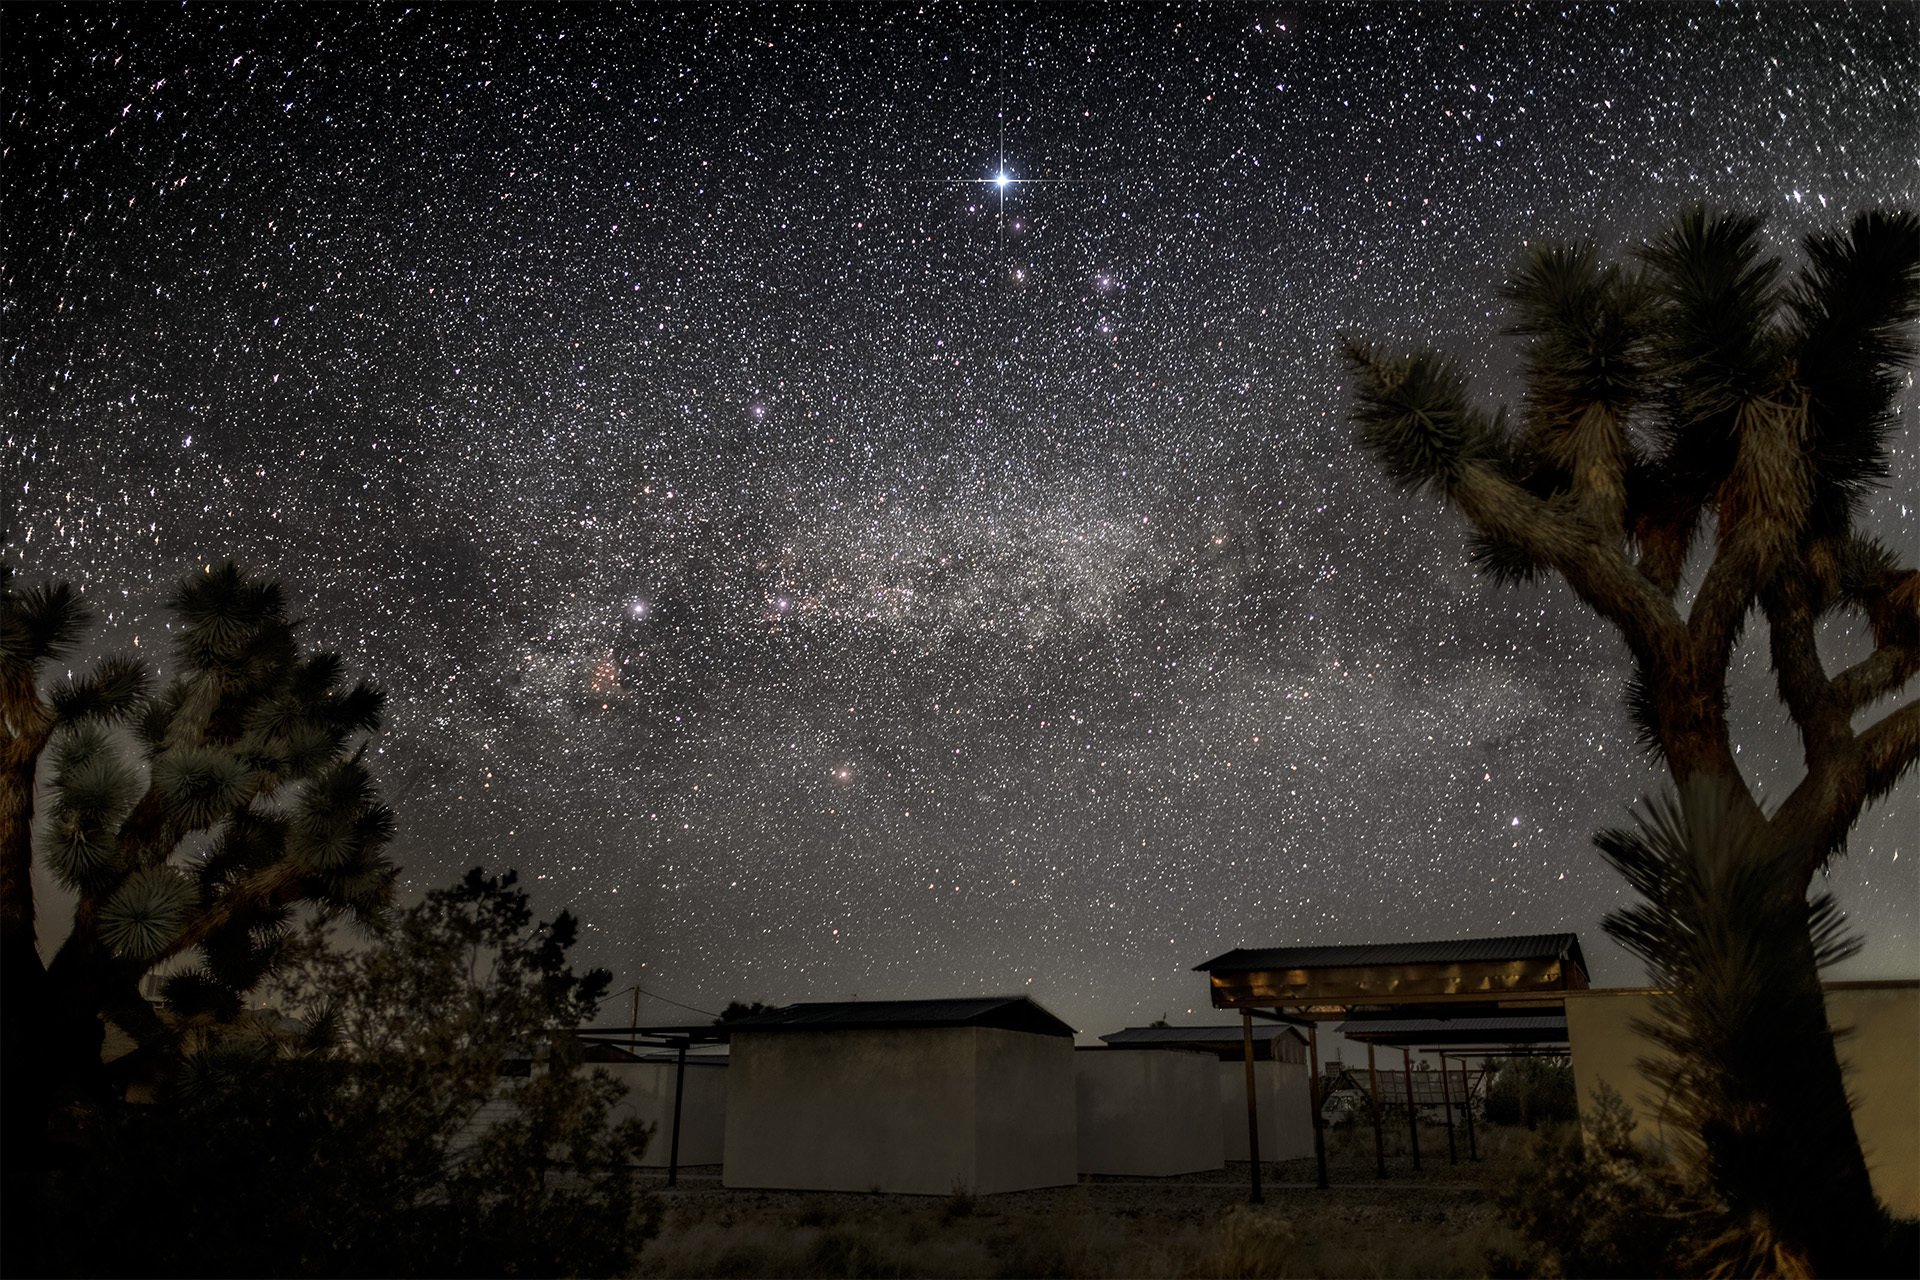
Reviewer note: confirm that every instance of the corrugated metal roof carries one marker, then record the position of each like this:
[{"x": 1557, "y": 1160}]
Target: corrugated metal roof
[
  {"x": 1007, "y": 1013},
  {"x": 1262, "y": 1032},
  {"x": 1532, "y": 946},
  {"x": 1536, "y": 1030}
]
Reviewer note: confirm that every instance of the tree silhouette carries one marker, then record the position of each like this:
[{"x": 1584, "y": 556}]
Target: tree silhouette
[
  {"x": 1695, "y": 405},
  {"x": 411, "y": 1105},
  {"x": 738, "y": 1009},
  {"x": 188, "y": 823}
]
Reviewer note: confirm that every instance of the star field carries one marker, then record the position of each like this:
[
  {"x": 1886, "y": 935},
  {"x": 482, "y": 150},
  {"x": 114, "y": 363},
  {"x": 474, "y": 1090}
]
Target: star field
[{"x": 828, "y": 570}]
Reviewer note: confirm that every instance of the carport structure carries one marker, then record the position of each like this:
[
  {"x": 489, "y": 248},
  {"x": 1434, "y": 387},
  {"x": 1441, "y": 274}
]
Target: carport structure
[
  {"x": 1539, "y": 1033},
  {"x": 679, "y": 1039},
  {"x": 1509, "y": 979}
]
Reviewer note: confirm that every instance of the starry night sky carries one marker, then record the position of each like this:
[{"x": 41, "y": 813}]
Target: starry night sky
[{"x": 828, "y": 571}]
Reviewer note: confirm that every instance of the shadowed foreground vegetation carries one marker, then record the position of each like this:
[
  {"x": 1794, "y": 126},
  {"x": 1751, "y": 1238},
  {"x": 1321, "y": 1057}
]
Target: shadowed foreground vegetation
[{"x": 1441, "y": 1222}]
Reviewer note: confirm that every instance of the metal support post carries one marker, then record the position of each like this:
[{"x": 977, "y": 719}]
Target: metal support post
[
  {"x": 1466, "y": 1105},
  {"x": 1373, "y": 1105},
  {"x": 1413, "y": 1112},
  {"x": 1313, "y": 1096},
  {"x": 1253, "y": 1112},
  {"x": 1446, "y": 1094},
  {"x": 679, "y": 1087}
]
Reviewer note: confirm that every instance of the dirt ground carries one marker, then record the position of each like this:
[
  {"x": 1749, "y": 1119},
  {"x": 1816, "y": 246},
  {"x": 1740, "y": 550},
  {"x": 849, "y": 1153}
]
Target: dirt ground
[{"x": 1438, "y": 1222}]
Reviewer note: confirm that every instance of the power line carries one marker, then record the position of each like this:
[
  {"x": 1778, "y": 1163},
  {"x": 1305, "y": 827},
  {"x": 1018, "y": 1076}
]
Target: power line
[{"x": 651, "y": 995}]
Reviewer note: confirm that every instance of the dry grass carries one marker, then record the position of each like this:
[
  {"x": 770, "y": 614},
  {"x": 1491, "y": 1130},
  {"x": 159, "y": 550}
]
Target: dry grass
[{"x": 1437, "y": 1223}]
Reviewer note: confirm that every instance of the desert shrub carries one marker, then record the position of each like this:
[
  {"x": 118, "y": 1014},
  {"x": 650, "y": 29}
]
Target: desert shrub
[
  {"x": 1602, "y": 1207},
  {"x": 1251, "y": 1243},
  {"x": 958, "y": 1205},
  {"x": 1530, "y": 1092},
  {"x": 845, "y": 1252},
  {"x": 374, "y": 1134}
]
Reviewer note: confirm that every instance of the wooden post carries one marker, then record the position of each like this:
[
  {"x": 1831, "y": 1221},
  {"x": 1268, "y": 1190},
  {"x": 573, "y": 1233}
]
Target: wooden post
[
  {"x": 1466, "y": 1105},
  {"x": 1413, "y": 1112},
  {"x": 1313, "y": 1097},
  {"x": 679, "y": 1087},
  {"x": 1446, "y": 1094},
  {"x": 1253, "y": 1112},
  {"x": 1373, "y": 1104}
]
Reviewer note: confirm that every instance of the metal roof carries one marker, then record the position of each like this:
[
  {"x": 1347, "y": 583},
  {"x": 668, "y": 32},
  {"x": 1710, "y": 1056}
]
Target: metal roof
[
  {"x": 1549, "y": 1029},
  {"x": 1007, "y": 1013},
  {"x": 699, "y": 1033},
  {"x": 1532, "y": 946},
  {"x": 1217, "y": 1035}
]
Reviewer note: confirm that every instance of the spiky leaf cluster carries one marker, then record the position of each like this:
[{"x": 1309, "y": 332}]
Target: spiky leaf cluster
[
  {"x": 38, "y": 622},
  {"x": 249, "y": 759},
  {"x": 1415, "y": 417},
  {"x": 1851, "y": 328},
  {"x": 1588, "y": 361},
  {"x": 1695, "y": 386},
  {"x": 1674, "y": 348},
  {"x": 146, "y": 913}
]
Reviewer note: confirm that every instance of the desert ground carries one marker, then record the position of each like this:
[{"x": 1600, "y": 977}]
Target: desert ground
[{"x": 1438, "y": 1222}]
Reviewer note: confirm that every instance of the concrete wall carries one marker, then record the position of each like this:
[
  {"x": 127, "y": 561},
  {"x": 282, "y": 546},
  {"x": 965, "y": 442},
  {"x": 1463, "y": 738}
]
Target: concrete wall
[
  {"x": 1147, "y": 1113},
  {"x": 703, "y": 1111},
  {"x": 1286, "y": 1115},
  {"x": 1024, "y": 1112},
  {"x": 1882, "y": 1057},
  {"x": 1880, "y": 1049},
  {"x": 920, "y": 1111}
]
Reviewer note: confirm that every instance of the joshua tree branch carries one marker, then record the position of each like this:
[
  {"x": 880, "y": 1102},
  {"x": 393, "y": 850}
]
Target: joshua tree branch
[
  {"x": 1818, "y": 813},
  {"x": 1597, "y": 568},
  {"x": 1818, "y": 711},
  {"x": 1889, "y": 747},
  {"x": 1663, "y": 551},
  {"x": 1762, "y": 510},
  {"x": 1886, "y": 670}
]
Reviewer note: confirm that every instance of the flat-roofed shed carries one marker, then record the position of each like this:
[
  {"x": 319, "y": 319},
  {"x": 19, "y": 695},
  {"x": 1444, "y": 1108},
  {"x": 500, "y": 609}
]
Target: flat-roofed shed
[
  {"x": 1505, "y": 977},
  {"x": 915, "y": 1096}
]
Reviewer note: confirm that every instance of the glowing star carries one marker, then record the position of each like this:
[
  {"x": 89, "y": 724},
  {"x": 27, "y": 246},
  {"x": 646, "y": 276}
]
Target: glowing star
[{"x": 1001, "y": 180}]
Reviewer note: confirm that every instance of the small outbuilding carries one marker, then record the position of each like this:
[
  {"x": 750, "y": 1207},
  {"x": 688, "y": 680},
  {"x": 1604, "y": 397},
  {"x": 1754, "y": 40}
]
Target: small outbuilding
[
  {"x": 1147, "y": 1115},
  {"x": 1280, "y": 1081},
  {"x": 915, "y": 1096}
]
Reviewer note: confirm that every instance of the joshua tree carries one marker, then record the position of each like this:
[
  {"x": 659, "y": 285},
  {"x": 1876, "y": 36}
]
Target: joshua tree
[
  {"x": 372, "y": 1123},
  {"x": 188, "y": 824},
  {"x": 1696, "y": 399}
]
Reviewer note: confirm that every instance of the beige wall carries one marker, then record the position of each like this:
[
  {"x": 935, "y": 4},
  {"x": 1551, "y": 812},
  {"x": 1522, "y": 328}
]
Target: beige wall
[
  {"x": 703, "y": 1112},
  {"x": 922, "y": 1111},
  {"x": 1148, "y": 1113},
  {"x": 1882, "y": 1056},
  {"x": 1024, "y": 1112},
  {"x": 1286, "y": 1115}
]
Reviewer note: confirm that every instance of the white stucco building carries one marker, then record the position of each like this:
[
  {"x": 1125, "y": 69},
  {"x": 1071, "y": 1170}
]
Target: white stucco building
[
  {"x": 917, "y": 1096},
  {"x": 1147, "y": 1114},
  {"x": 1280, "y": 1080}
]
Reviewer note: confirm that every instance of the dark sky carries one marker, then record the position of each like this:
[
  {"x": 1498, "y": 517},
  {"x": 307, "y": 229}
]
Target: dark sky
[{"x": 828, "y": 571}]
